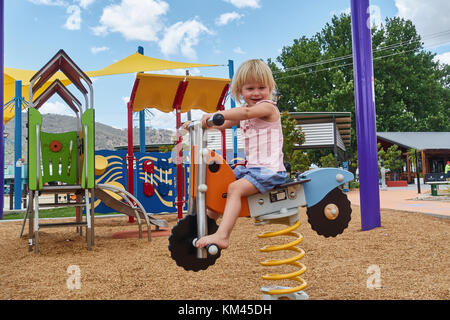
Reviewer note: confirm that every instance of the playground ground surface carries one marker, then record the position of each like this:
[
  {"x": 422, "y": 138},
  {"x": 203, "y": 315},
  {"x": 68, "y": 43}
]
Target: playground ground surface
[{"x": 409, "y": 253}]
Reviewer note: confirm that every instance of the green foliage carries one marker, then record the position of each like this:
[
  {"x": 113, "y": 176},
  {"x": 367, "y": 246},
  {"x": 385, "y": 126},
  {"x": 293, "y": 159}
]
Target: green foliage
[
  {"x": 168, "y": 147},
  {"x": 327, "y": 161},
  {"x": 390, "y": 158},
  {"x": 300, "y": 161},
  {"x": 412, "y": 157},
  {"x": 292, "y": 136},
  {"x": 412, "y": 91}
]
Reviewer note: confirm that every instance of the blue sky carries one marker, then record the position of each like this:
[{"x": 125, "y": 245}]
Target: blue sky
[{"x": 96, "y": 33}]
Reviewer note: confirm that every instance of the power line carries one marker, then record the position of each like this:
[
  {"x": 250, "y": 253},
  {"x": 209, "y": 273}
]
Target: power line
[
  {"x": 343, "y": 65},
  {"x": 380, "y": 49}
]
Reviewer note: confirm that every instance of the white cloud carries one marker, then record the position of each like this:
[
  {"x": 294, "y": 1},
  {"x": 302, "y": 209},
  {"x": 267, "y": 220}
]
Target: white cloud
[
  {"x": 443, "y": 58},
  {"x": 49, "y": 2},
  {"x": 57, "y": 107},
  {"x": 225, "y": 18},
  {"x": 339, "y": 12},
  {"x": 244, "y": 3},
  {"x": 179, "y": 72},
  {"x": 163, "y": 120},
  {"x": 238, "y": 50},
  {"x": 100, "y": 30},
  {"x": 143, "y": 20},
  {"x": 125, "y": 100},
  {"x": 96, "y": 50},
  {"x": 429, "y": 17},
  {"x": 73, "y": 22},
  {"x": 134, "y": 19},
  {"x": 183, "y": 36},
  {"x": 85, "y": 3},
  {"x": 374, "y": 10}
]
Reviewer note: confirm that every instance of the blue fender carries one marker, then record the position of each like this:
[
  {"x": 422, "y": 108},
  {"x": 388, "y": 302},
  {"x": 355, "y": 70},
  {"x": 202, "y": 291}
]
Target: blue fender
[{"x": 323, "y": 180}]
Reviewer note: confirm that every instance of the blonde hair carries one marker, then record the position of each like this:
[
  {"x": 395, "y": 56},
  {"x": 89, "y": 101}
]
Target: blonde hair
[{"x": 253, "y": 70}]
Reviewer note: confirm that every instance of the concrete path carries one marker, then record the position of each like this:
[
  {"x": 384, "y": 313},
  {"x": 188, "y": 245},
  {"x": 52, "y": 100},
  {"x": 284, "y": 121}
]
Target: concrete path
[{"x": 408, "y": 199}]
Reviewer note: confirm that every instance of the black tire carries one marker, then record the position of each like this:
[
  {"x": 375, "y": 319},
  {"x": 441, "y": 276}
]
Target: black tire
[
  {"x": 324, "y": 226},
  {"x": 181, "y": 248}
]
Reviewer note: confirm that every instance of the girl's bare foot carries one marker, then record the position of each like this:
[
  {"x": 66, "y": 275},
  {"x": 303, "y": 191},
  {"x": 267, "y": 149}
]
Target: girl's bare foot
[{"x": 214, "y": 238}]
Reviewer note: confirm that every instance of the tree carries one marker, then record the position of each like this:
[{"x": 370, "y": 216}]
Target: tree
[
  {"x": 293, "y": 136},
  {"x": 412, "y": 91},
  {"x": 390, "y": 159},
  {"x": 413, "y": 158},
  {"x": 327, "y": 161},
  {"x": 300, "y": 160}
]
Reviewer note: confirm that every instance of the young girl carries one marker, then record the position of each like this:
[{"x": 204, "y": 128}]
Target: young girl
[{"x": 260, "y": 124}]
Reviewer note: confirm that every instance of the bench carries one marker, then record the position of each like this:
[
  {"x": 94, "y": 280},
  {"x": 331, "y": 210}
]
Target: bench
[
  {"x": 435, "y": 186},
  {"x": 435, "y": 180}
]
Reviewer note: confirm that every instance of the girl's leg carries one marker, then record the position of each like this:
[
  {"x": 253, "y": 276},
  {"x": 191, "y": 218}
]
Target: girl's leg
[
  {"x": 236, "y": 190},
  {"x": 212, "y": 214}
]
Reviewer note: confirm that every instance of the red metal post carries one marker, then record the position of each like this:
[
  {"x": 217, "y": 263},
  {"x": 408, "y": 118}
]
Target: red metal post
[
  {"x": 179, "y": 157},
  {"x": 221, "y": 106},
  {"x": 130, "y": 155}
]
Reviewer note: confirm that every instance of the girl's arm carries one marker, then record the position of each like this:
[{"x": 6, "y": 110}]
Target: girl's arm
[
  {"x": 264, "y": 110},
  {"x": 225, "y": 125}
]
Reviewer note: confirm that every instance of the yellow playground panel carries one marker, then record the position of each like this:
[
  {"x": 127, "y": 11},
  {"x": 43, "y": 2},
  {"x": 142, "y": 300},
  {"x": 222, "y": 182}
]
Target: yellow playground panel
[{"x": 159, "y": 92}]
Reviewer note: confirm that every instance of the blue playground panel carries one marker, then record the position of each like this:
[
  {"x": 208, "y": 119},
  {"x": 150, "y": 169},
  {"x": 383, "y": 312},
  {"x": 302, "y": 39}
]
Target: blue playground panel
[{"x": 164, "y": 179}]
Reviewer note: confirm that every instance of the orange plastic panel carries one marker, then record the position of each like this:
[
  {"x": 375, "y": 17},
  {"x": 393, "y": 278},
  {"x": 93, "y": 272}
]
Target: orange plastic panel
[{"x": 217, "y": 183}]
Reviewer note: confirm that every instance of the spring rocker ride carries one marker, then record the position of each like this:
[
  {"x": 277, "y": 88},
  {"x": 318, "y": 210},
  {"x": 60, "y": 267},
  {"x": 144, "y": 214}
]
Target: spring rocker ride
[{"x": 328, "y": 211}]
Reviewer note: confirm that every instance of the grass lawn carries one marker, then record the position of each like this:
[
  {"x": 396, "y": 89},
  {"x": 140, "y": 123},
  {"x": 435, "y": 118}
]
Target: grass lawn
[{"x": 46, "y": 213}]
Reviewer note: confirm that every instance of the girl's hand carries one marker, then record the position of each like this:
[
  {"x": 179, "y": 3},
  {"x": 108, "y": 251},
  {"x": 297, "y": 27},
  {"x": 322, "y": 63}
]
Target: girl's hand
[
  {"x": 185, "y": 125},
  {"x": 205, "y": 117}
]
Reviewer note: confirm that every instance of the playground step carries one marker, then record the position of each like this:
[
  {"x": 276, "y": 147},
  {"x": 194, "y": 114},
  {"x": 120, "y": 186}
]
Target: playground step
[
  {"x": 64, "y": 204},
  {"x": 62, "y": 224},
  {"x": 61, "y": 189}
]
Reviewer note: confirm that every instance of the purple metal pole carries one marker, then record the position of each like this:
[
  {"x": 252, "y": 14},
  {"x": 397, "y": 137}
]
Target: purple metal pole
[
  {"x": 365, "y": 115},
  {"x": 2, "y": 126}
]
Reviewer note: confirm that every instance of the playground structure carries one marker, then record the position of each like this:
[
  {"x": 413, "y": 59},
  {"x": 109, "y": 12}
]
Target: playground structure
[
  {"x": 180, "y": 93},
  {"x": 86, "y": 179},
  {"x": 66, "y": 157},
  {"x": 16, "y": 92},
  {"x": 328, "y": 211},
  {"x": 65, "y": 162}
]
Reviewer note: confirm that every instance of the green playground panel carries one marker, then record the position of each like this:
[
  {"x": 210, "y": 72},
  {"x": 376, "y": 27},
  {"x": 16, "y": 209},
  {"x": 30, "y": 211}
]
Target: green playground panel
[
  {"x": 87, "y": 120},
  {"x": 34, "y": 120},
  {"x": 59, "y": 165}
]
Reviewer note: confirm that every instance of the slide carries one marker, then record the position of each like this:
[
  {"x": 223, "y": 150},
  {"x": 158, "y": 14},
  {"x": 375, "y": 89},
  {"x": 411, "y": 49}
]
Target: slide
[{"x": 132, "y": 207}]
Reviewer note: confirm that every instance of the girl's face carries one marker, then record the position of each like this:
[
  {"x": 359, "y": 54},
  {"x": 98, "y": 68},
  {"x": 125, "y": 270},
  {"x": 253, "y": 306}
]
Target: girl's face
[{"x": 254, "y": 92}]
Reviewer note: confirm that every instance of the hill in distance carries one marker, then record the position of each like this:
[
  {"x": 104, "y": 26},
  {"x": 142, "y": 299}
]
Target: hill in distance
[{"x": 106, "y": 137}]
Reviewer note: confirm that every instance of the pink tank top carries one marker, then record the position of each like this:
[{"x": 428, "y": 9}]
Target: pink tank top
[{"x": 263, "y": 142}]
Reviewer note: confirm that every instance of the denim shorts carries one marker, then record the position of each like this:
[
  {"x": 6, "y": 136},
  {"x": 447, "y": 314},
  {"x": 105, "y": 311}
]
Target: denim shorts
[{"x": 263, "y": 179}]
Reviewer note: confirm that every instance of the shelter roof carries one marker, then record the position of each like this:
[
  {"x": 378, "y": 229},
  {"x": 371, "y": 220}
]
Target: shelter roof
[
  {"x": 60, "y": 62},
  {"x": 417, "y": 140},
  {"x": 140, "y": 63},
  {"x": 61, "y": 90},
  {"x": 159, "y": 91}
]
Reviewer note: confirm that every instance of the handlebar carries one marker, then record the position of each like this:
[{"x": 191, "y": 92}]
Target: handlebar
[{"x": 216, "y": 120}]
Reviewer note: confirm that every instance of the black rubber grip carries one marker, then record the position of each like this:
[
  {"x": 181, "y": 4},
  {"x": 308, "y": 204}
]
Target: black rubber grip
[{"x": 216, "y": 120}]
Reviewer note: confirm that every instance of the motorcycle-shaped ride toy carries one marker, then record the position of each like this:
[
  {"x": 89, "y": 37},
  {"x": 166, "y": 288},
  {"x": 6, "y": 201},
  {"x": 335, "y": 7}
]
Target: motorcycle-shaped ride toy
[{"x": 328, "y": 209}]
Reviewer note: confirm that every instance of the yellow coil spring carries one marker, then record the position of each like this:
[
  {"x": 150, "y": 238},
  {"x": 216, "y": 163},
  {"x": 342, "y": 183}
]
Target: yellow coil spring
[{"x": 291, "y": 246}]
